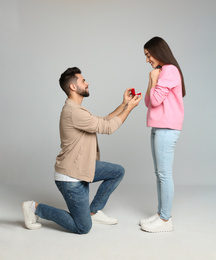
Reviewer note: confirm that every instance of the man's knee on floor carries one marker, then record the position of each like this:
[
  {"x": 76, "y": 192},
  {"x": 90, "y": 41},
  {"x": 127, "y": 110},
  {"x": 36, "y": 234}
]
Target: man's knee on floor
[
  {"x": 85, "y": 229},
  {"x": 121, "y": 171}
]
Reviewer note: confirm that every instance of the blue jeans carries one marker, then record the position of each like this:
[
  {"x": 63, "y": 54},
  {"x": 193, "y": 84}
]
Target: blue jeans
[
  {"x": 163, "y": 143},
  {"x": 76, "y": 194}
]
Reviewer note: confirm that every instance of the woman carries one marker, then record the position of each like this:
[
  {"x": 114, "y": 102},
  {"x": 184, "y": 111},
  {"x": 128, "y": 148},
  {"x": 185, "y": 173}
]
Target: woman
[{"x": 164, "y": 100}]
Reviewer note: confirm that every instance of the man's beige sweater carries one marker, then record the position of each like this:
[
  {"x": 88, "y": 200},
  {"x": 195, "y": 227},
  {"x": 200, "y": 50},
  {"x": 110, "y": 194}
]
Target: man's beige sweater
[{"x": 78, "y": 128}]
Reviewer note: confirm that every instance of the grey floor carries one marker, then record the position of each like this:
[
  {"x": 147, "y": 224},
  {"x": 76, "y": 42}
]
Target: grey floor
[{"x": 194, "y": 237}]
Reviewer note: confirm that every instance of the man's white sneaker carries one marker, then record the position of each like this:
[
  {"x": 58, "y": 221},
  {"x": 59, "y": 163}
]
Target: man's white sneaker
[
  {"x": 30, "y": 218},
  {"x": 147, "y": 220},
  {"x": 101, "y": 218},
  {"x": 158, "y": 225}
]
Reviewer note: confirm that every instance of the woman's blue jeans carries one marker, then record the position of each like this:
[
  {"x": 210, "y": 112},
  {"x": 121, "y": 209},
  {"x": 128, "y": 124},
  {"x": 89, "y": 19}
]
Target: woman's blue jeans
[
  {"x": 163, "y": 143},
  {"x": 76, "y": 194}
]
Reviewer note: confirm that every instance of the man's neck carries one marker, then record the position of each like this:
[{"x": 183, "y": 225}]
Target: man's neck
[{"x": 78, "y": 99}]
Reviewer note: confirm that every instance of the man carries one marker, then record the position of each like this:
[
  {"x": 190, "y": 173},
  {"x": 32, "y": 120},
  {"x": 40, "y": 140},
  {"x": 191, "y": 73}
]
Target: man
[{"x": 79, "y": 163}]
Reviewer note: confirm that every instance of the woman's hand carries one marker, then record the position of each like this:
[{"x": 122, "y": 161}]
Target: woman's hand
[
  {"x": 154, "y": 74},
  {"x": 153, "y": 79}
]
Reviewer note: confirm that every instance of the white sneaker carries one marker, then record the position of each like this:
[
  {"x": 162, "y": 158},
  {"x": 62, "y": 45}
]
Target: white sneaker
[
  {"x": 147, "y": 220},
  {"x": 101, "y": 218},
  {"x": 29, "y": 217},
  {"x": 158, "y": 225}
]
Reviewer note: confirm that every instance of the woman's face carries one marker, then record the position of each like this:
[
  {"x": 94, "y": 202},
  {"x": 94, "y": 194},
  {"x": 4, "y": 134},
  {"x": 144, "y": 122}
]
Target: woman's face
[{"x": 154, "y": 63}]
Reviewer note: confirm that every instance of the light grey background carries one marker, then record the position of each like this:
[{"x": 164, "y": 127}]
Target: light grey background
[{"x": 40, "y": 39}]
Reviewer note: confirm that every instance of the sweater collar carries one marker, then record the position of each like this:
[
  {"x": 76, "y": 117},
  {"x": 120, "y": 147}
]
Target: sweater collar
[{"x": 72, "y": 102}]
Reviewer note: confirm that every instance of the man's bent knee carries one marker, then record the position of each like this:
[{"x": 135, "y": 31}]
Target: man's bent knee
[
  {"x": 84, "y": 229},
  {"x": 121, "y": 171}
]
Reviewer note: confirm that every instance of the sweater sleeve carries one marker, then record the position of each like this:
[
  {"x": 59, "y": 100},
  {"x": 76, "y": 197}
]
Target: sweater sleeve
[
  {"x": 83, "y": 120},
  {"x": 158, "y": 95},
  {"x": 168, "y": 79}
]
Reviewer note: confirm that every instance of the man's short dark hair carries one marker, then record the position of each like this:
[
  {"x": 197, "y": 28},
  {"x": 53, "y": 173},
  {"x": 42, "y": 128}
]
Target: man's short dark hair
[{"x": 67, "y": 77}]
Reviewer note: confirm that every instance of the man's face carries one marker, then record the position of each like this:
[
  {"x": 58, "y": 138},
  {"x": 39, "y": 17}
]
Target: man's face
[{"x": 81, "y": 86}]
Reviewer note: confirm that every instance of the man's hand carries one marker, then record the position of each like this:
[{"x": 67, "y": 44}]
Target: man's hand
[
  {"x": 127, "y": 96},
  {"x": 126, "y": 106},
  {"x": 134, "y": 101},
  {"x": 130, "y": 106}
]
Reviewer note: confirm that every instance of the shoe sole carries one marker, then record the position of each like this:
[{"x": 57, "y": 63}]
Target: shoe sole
[
  {"x": 157, "y": 231},
  {"x": 104, "y": 223}
]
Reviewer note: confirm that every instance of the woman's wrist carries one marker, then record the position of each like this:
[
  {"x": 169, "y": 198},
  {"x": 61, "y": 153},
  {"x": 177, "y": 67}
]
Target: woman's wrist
[{"x": 154, "y": 82}]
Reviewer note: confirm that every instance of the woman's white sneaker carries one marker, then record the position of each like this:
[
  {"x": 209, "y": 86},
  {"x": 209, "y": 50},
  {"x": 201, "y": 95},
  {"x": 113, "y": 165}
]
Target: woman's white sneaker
[
  {"x": 158, "y": 225},
  {"x": 147, "y": 220},
  {"x": 30, "y": 218}
]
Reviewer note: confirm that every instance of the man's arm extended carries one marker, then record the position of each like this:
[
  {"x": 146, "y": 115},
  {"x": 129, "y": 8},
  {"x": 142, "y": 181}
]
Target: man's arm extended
[
  {"x": 121, "y": 108},
  {"x": 84, "y": 120},
  {"x": 130, "y": 106}
]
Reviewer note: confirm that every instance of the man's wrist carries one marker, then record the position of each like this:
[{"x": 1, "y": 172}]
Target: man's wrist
[
  {"x": 124, "y": 104},
  {"x": 128, "y": 108}
]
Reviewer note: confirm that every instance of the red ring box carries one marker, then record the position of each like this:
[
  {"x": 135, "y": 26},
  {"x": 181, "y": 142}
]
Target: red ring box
[{"x": 133, "y": 92}]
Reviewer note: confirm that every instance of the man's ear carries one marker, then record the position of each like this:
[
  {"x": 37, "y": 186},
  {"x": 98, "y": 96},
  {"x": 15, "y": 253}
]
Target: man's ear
[{"x": 72, "y": 87}]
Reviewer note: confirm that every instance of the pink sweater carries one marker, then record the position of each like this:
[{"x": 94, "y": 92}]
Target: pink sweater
[{"x": 165, "y": 103}]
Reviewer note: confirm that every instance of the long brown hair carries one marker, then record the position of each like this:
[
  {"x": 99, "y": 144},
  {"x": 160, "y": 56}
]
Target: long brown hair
[{"x": 161, "y": 51}]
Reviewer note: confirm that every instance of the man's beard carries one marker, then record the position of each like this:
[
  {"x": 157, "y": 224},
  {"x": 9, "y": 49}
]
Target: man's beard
[{"x": 83, "y": 93}]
